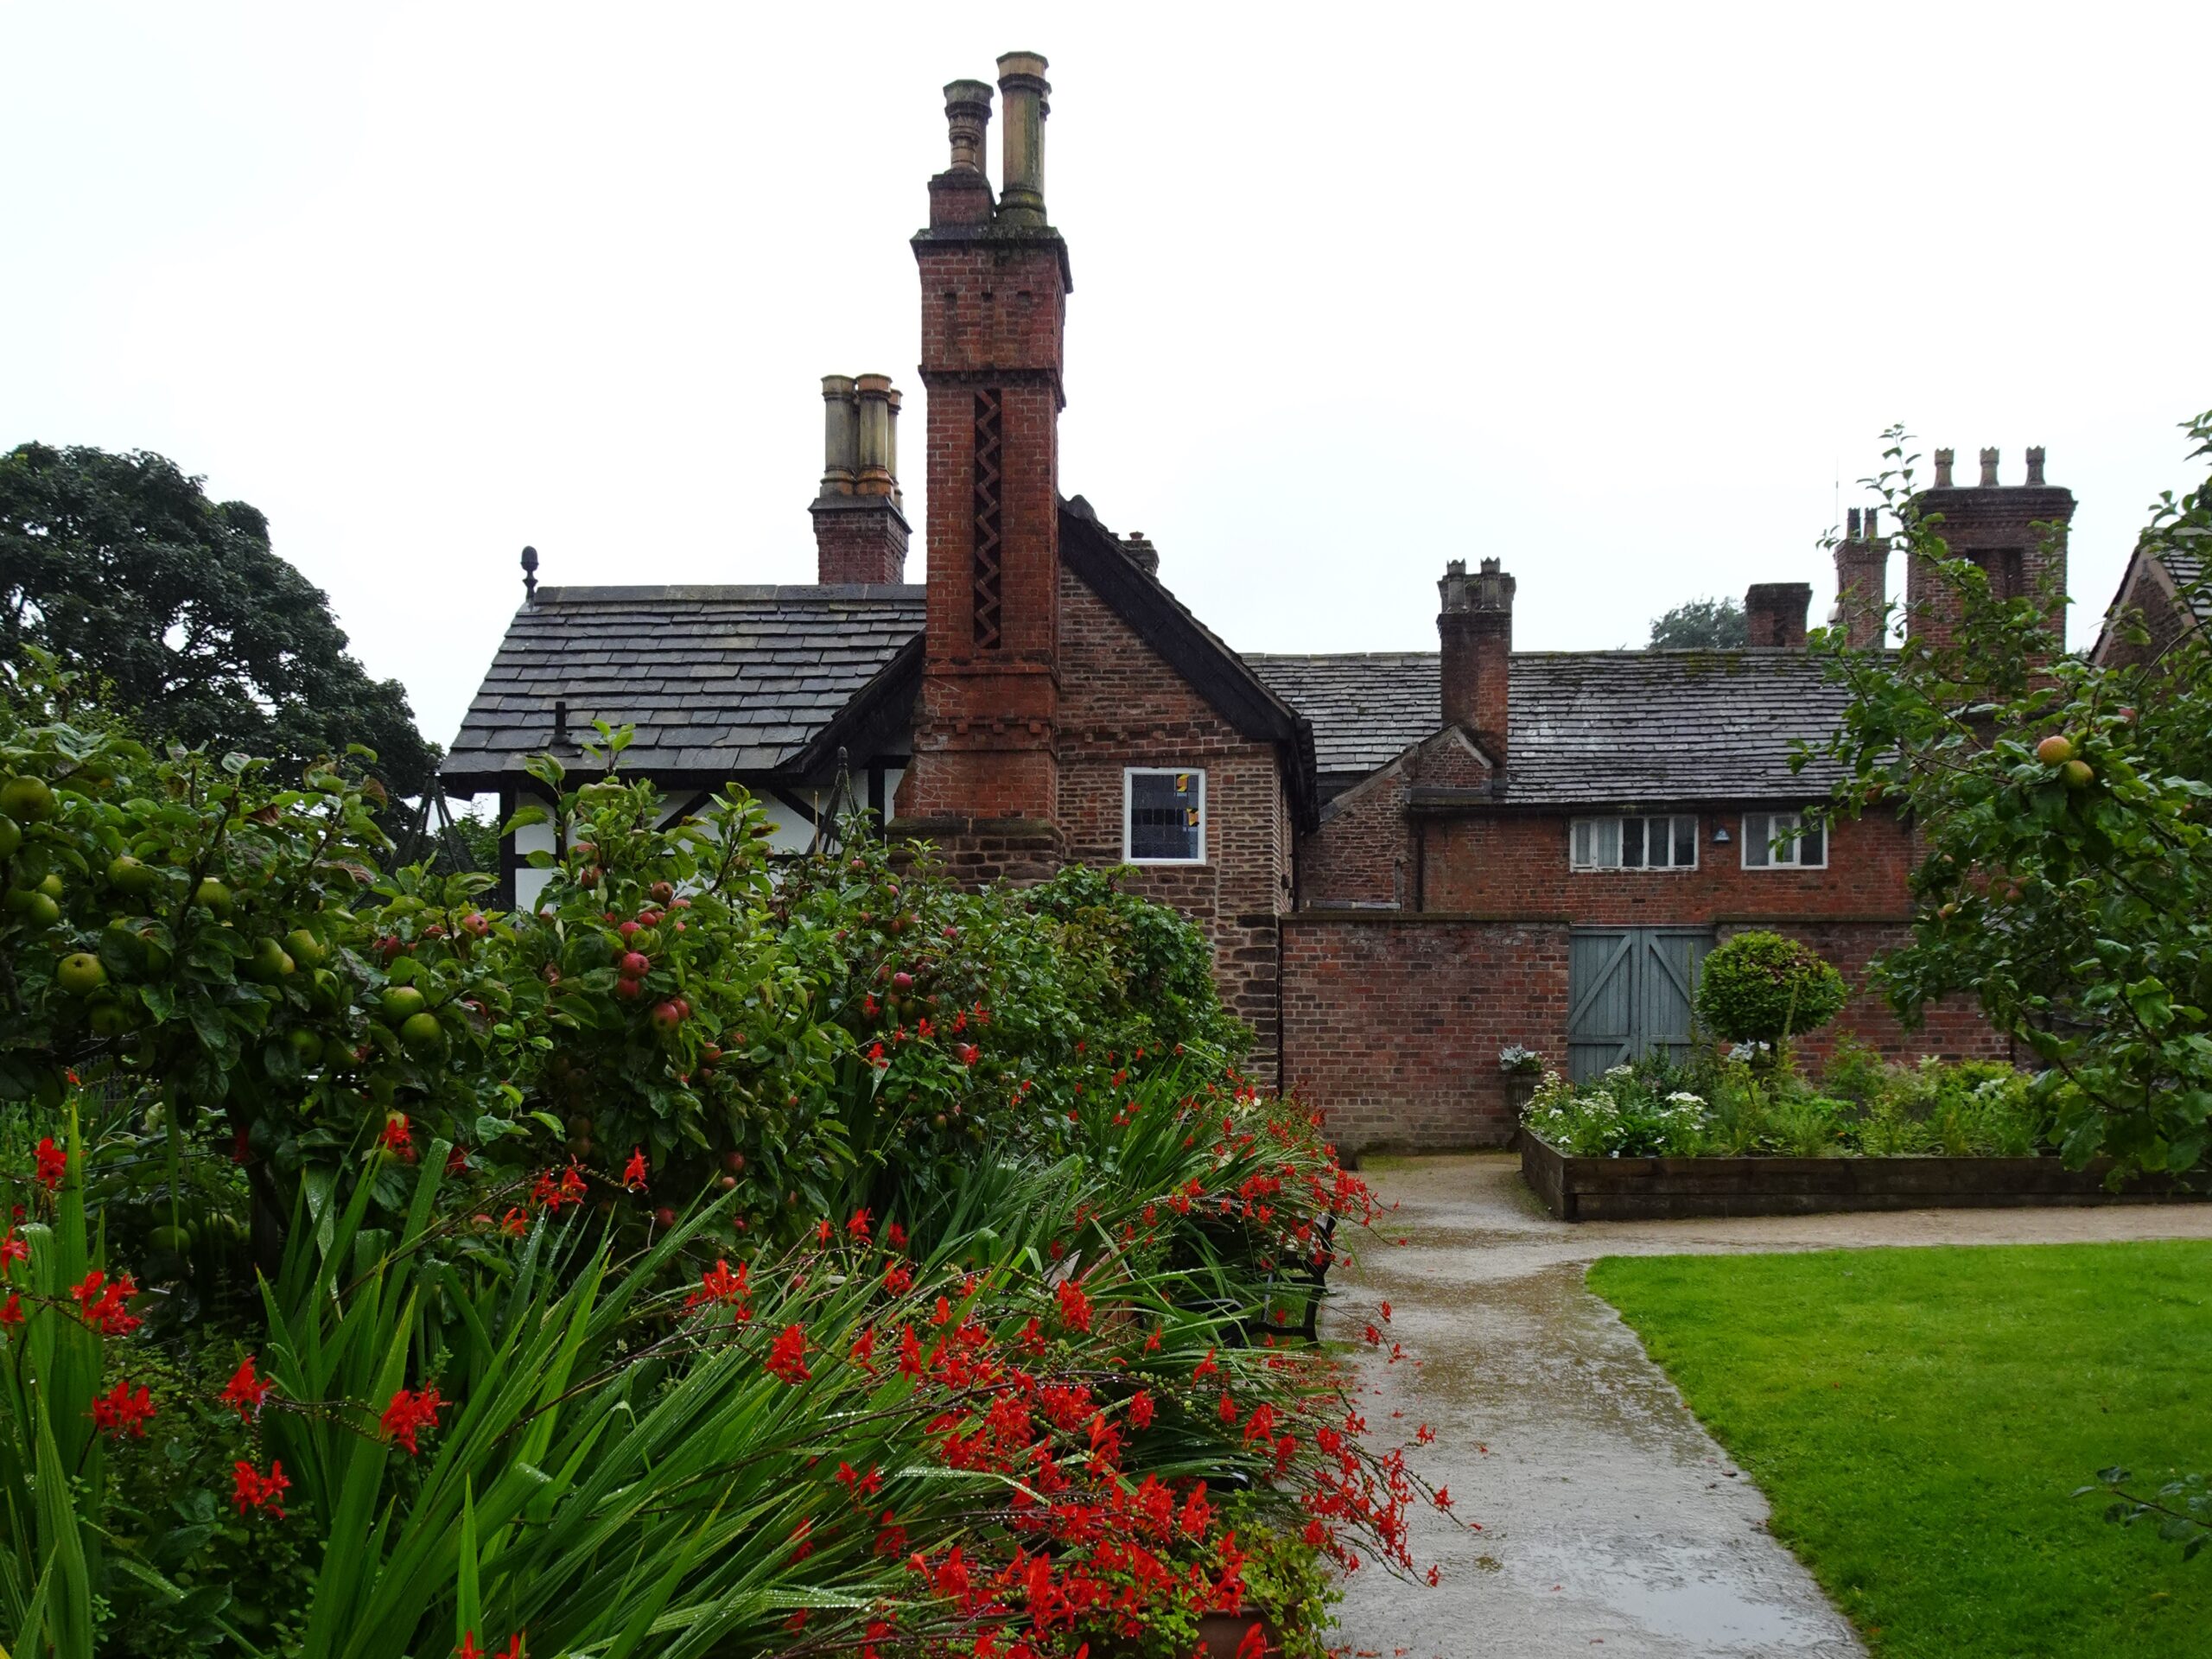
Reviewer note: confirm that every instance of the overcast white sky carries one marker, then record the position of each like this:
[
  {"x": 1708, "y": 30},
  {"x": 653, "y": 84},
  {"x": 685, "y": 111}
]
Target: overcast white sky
[{"x": 1615, "y": 295}]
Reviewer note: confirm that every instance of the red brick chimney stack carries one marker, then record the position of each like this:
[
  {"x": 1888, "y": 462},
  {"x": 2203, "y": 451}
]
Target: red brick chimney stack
[
  {"x": 1475, "y": 628},
  {"x": 859, "y": 525},
  {"x": 1774, "y": 614},
  {"x": 994, "y": 283},
  {"x": 1862, "y": 582},
  {"x": 2015, "y": 533}
]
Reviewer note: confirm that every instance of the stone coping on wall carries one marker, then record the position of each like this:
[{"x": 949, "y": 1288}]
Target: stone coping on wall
[{"x": 1659, "y": 1189}]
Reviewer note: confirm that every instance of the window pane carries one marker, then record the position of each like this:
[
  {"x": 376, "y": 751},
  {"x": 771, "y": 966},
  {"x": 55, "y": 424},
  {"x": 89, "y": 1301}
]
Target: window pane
[
  {"x": 1686, "y": 843},
  {"x": 1165, "y": 812},
  {"x": 1631, "y": 844},
  {"x": 1785, "y": 837},
  {"x": 1758, "y": 827},
  {"x": 1605, "y": 844},
  {"x": 1813, "y": 846},
  {"x": 1581, "y": 857}
]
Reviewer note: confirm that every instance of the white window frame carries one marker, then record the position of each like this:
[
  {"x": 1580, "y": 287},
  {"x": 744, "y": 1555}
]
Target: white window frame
[
  {"x": 1789, "y": 855},
  {"x": 1129, "y": 775},
  {"x": 1617, "y": 820}
]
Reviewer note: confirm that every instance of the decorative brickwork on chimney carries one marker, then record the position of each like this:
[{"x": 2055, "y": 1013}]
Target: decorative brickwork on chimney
[
  {"x": 2016, "y": 534},
  {"x": 1475, "y": 628},
  {"x": 1774, "y": 614},
  {"x": 860, "y": 522},
  {"x": 994, "y": 283},
  {"x": 1862, "y": 582}
]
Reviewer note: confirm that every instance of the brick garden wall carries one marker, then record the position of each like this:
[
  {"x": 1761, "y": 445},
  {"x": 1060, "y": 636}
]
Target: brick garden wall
[{"x": 1392, "y": 1024}]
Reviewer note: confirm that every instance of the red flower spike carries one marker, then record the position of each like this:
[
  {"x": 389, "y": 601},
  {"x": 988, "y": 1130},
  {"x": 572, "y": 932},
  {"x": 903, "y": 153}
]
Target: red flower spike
[
  {"x": 12, "y": 1249},
  {"x": 12, "y": 1313},
  {"x": 244, "y": 1392},
  {"x": 895, "y": 1236},
  {"x": 858, "y": 1226},
  {"x": 787, "y": 1357},
  {"x": 633, "y": 1172},
  {"x": 122, "y": 1408},
  {"x": 409, "y": 1413},
  {"x": 255, "y": 1490},
  {"x": 52, "y": 1165},
  {"x": 398, "y": 1134},
  {"x": 469, "y": 1650}
]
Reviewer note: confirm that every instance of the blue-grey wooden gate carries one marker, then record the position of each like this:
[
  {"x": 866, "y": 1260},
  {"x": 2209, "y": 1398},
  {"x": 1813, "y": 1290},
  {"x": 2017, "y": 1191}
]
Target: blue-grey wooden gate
[{"x": 1630, "y": 993}]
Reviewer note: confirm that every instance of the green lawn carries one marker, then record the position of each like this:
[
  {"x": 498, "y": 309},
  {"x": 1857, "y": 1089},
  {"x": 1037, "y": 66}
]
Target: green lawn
[{"x": 1918, "y": 1418}]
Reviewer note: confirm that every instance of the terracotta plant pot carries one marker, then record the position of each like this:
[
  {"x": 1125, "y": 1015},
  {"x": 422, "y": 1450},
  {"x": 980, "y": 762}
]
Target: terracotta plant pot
[{"x": 1225, "y": 1635}]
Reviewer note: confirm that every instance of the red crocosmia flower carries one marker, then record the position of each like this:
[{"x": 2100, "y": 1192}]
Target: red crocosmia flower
[
  {"x": 910, "y": 1352},
  {"x": 823, "y": 1232},
  {"x": 1435, "y": 1576},
  {"x": 787, "y": 1357},
  {"x": 457, "y": 1161},
  {"x": 898, "y": 1279},
  {"x": 858, "y": 1226},
  {"x": 53, "y": 1164},
  {"x": 969, "y": 1053},
  {"x": 102, "y": 1303},
  {"x": 895, "y": 1236},
  {"x": 398, "y": 1134},
  {"x": 633, "y": 1172},
  {"x": 12, "y": 1313},
  {"x": 719, "y": 1284},
  {"x": 469, "y": 1650},
  {"x": 409, "y": 1413},
  {"x": 515, "y": 1650},
  {"x": 797, "y": 1622},
  {"x": 553, "y": 1194},
  {"x": 1141, "y": 1411},
  {"x": 121, "y": 1408},
  {"x": 1386, "y": 1312},
  {"x": 878, "y": 1630},
  {"x": 1254, "y": 1645},
  {"x": 244, "y": 1392},
  {"x": 1444, "y": 1497},
  {"x": 1227, "y": 1409},
  {"x": 1374, "y": 1337},
  {"x": 1075, "y": 1306},
  {"x": 12, "y": 1249},
  {"x": 256, "y": 1490},
  {"x": 514, "y": 1222},
  {"x": 863, "y": 1353},
  {"x": 1206, "y": 1368}
]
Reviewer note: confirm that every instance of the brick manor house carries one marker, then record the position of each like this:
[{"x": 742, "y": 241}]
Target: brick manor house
[{"x": 1405, "y": 860}]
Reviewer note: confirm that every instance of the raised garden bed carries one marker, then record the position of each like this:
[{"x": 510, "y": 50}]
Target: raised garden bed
[{"x": 1659, "y": 1189}]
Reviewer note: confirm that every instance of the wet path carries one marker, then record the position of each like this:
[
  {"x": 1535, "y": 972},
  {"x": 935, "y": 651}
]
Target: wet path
[{"x": 1612, "y": 1522}]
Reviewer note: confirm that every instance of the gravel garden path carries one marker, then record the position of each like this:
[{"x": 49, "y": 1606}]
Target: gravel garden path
[{"x": 1613, "y": 1522}]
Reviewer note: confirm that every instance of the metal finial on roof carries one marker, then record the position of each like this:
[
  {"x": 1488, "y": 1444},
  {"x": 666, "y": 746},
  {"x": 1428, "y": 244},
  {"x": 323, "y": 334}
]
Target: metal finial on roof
[{"x": 529, "y": 573}]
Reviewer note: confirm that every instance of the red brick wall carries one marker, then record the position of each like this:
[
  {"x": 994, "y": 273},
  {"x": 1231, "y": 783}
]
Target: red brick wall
[
  {"x": 1392, "y": 1026},
  {"x": 1122, "y": 706},
  {"x": 1364, "y": 852},
  {"x": 1518, "y": 862}
]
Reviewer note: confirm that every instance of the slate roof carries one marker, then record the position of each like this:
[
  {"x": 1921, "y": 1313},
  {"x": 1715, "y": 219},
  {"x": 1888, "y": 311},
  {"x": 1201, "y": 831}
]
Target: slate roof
[
  {"x": 717, "y": 681},
  {"x": 1585, "y": 726}
]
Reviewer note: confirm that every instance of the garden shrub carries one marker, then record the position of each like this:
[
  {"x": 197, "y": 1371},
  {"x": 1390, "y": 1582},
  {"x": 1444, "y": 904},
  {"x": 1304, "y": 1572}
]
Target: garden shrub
[
  {"x": 1761, "y": 988},
  {"x": 697, "y": 1259}
]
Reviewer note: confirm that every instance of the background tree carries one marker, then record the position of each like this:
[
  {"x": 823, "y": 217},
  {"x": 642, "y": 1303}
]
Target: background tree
[
  {"x": 1713, "y": 623},
  {"x": 2065, "y": 813},
  {"x": 198, "y": 631}
]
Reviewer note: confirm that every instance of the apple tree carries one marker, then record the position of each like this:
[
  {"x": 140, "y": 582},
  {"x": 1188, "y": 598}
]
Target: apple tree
[{"x": 2062, "y": 813}]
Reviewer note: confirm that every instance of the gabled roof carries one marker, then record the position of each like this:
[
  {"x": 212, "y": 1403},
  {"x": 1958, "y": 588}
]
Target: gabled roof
[
  {"x": 2173, "y": 576},
  {"x": 717, "y": 681},
  {"x": 1586, "y": 727},
  {"x": 1246, "y": 700}
]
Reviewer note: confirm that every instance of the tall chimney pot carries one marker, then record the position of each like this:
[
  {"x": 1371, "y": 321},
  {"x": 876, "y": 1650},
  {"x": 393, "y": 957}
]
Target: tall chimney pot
[
  {"x": 2035, "y": 467},
  {"x": 874, "y": 475},
  {"x": 967, "y": 117},
  {"x": 1989, "y": 469},
  {"x": 1944, "y": 469},
  {"x": 840, "y": 434},
  {"x": 1021, "y": 171}
]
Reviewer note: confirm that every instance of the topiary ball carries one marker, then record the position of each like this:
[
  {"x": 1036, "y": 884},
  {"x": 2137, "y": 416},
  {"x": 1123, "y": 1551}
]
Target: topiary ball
[{"x": 1760, "y": 987}]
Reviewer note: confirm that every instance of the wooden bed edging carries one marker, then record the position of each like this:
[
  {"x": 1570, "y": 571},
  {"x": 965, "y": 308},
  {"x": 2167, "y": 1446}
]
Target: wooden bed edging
[{"x": 1660, "y": 1189}]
